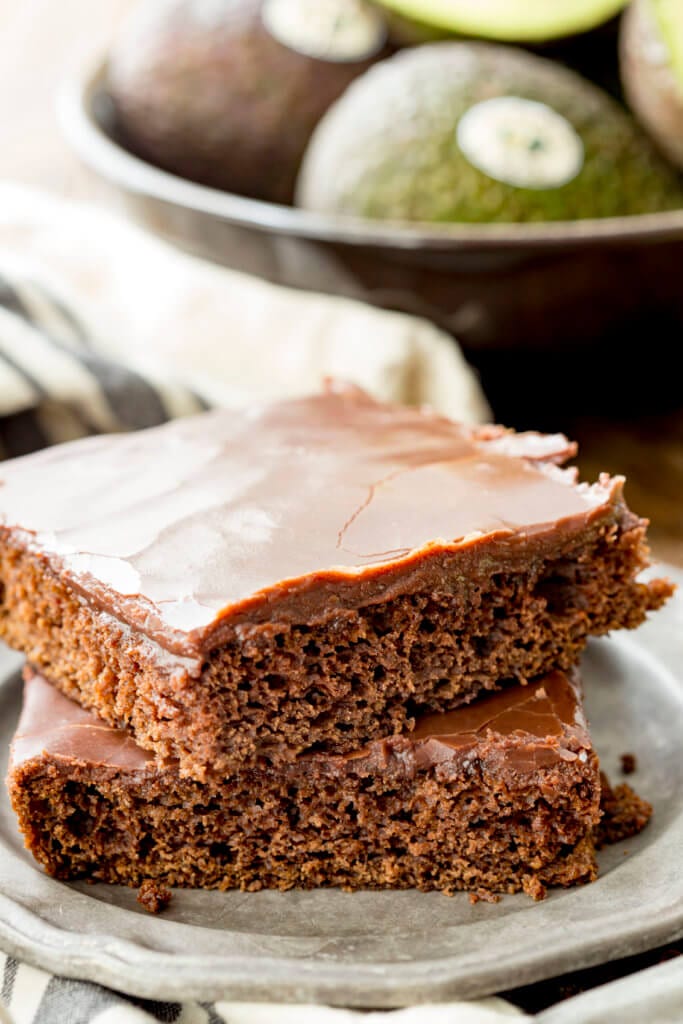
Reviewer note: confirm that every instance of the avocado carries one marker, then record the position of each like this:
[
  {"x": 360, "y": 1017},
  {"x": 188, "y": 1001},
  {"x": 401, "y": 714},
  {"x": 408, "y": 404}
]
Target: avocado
[
  {"x": 519, "y": 21},
  {"x": 651, "y": 51},
  {"x": 478, "y": 132},
  {"x": 227, "y": 92}
]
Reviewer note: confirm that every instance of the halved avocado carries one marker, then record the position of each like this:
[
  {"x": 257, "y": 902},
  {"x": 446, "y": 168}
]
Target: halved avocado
[
  {"x": 651, "y": 49},
  {"x": 510, "y": 20}
]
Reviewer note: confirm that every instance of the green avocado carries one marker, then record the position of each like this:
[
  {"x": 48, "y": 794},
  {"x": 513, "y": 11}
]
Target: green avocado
[
  {"x": 481, "y": 133},
  {"x": 510, "y": 20}
]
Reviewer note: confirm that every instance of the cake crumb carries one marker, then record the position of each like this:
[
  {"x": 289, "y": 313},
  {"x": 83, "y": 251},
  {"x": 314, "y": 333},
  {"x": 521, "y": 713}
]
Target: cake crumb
[
  {"x": 629, "y": 764},
  {"x": 153, "y": 896},
  {"x": 533, "y": 887},
  {"x": 483, "y": 896},
  {"x": 624, "y": 814}
]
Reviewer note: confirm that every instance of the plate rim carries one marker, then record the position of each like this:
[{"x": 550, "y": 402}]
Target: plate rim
[{"x": 375, "y": 985}]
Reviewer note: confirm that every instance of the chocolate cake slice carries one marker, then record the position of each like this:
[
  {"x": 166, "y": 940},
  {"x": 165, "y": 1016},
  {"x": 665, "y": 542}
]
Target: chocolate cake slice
[
  {"x": 309, "y": 574},
  {"x": 500, "y": 795}
]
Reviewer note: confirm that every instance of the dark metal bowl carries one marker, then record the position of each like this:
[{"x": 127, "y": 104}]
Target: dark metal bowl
[{"x": 499, "y": 288}]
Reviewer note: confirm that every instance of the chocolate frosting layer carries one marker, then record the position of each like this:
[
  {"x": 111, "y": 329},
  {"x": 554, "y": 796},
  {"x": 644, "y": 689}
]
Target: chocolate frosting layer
[
  {"x": 53, "y": 725},
  {"x": 521, "y": 728},
  {"x": 282, "y": 510}
]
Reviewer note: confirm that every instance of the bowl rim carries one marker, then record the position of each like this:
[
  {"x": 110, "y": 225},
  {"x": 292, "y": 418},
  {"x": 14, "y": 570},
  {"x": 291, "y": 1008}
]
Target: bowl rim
[{"x": 111, "y": 161}]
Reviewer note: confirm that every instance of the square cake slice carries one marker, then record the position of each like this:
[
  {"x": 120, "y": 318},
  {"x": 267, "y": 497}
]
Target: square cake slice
[
  {"x": 307, "y": 575},
  {"x": 500, "y": 795}
]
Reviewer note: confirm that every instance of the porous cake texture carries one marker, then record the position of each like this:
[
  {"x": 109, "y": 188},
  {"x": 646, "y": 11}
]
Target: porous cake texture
[
  {"x": 240, "y": 587},
  {"x": 500, "y": 795}
]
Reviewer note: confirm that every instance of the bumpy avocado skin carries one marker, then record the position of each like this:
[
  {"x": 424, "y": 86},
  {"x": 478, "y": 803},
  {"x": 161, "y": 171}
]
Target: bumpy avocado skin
[
  {"x": 202, "y": 89},
  {"x": 388, "y": 149}
]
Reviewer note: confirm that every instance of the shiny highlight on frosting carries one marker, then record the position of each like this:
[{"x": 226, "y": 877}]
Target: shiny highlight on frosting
[{"x": 235, "y": 515}]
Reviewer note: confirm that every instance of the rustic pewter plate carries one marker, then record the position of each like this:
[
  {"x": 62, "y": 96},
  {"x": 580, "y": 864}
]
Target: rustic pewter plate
[{"x": 388, "y": 948}]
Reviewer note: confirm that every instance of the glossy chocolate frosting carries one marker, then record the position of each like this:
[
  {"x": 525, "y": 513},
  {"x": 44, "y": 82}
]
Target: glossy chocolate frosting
[
  {"x": 284, "y": 510},
  {"x": 521, "y": 728},
  {"x": 53, "y": 725}
]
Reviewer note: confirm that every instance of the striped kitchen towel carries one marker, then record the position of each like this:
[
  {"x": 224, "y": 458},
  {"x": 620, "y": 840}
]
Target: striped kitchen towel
[{"x": 55, "y": 387}]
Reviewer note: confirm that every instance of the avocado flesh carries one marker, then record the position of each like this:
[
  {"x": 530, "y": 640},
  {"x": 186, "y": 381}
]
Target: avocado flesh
[
  {"x": 511, "y": 20},
  {"x": 389, "y": 150},
  {"x": 669, "y": 17}
]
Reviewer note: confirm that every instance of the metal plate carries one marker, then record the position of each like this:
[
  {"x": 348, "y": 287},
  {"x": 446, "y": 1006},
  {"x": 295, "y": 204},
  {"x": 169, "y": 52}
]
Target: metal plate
[{"x": 389, "y": 948}]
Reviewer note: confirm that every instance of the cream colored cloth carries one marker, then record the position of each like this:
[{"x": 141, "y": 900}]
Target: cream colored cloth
[{"x": 185, "y": 323}]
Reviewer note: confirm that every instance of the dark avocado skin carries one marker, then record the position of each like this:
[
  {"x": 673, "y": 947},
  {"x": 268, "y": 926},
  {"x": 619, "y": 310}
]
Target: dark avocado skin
[{"x": 217, "y": 99}]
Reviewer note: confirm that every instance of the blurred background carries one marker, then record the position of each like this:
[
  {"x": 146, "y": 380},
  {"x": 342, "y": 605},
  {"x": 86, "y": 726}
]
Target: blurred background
[{"x": 545, "y": 233}]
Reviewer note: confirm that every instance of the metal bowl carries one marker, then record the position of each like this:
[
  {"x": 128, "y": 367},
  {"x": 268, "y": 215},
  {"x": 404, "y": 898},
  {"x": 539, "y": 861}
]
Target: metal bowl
[{"x": 499, "y": 288}]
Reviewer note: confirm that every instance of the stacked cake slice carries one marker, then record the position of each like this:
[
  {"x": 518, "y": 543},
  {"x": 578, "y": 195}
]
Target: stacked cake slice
[{"x": 326, "y": 641}]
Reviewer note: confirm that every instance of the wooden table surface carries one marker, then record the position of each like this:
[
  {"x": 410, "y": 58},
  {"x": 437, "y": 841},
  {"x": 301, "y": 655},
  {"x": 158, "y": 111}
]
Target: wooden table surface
[{"x": 43, "y": 41}]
